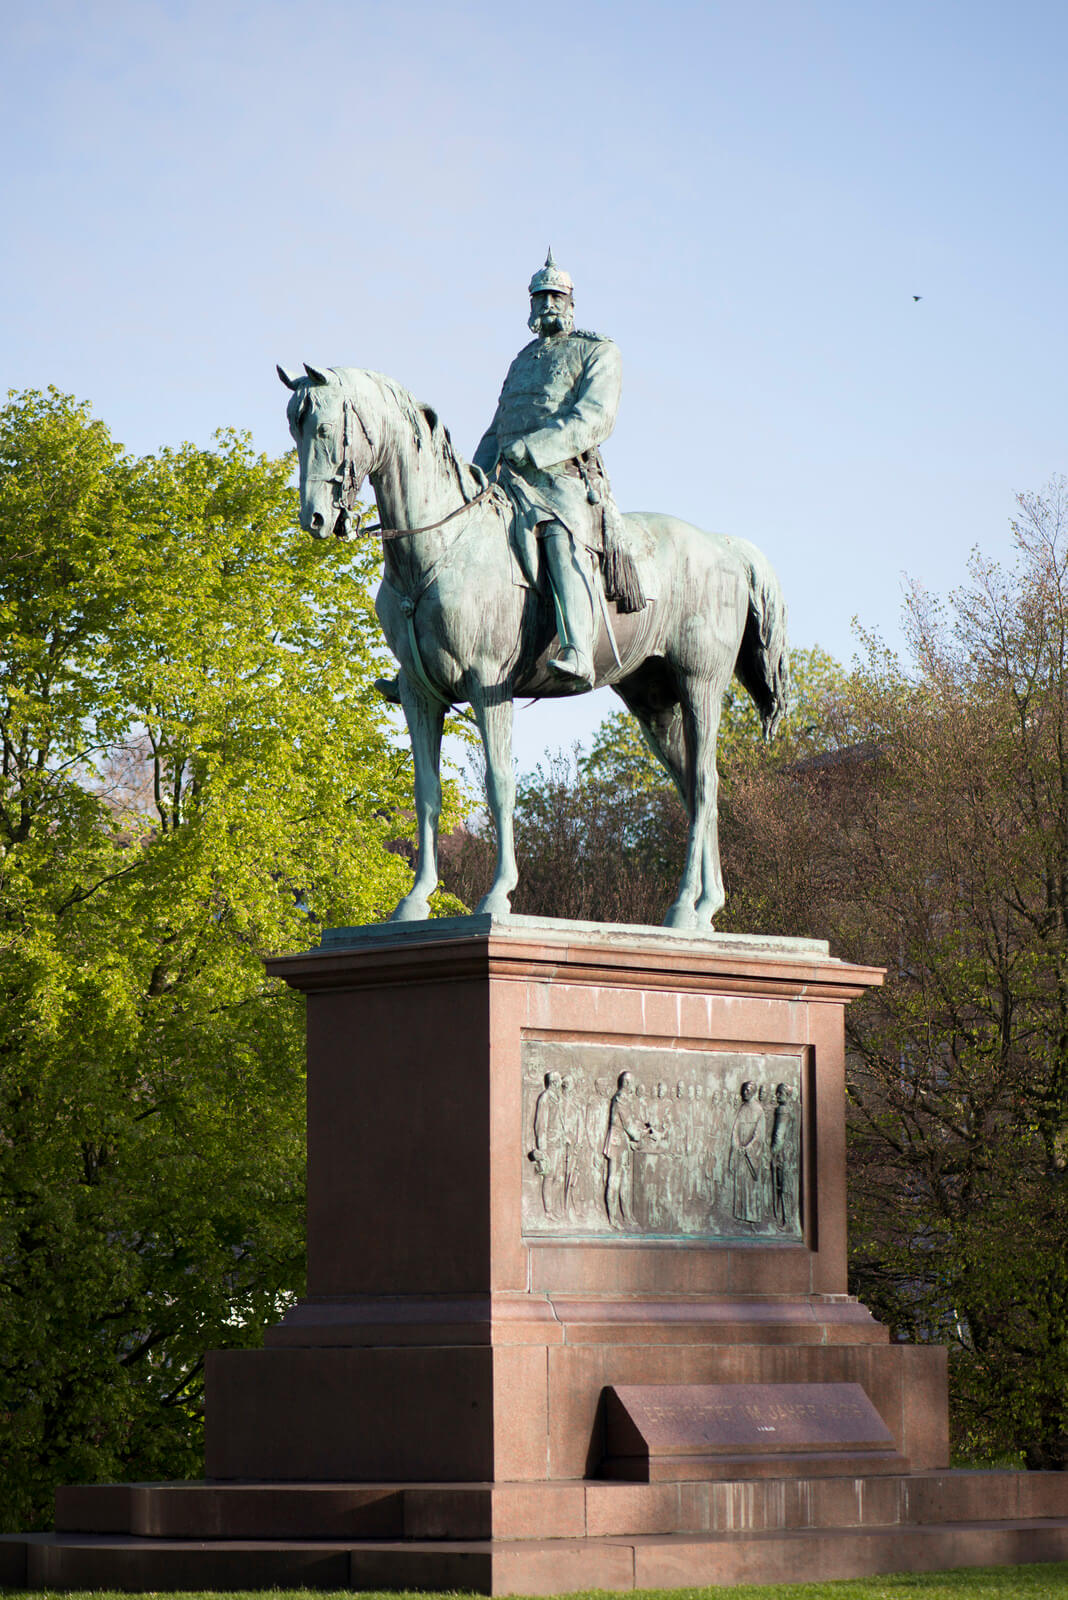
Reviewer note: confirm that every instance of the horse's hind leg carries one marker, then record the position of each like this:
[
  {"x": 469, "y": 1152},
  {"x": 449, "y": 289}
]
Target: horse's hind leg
[
  {"x": 665, "y": 736},
  {"x": 425, "y": 719},
  {"x": 665, "y": 729},
  {"x": 683, "y": 737},
  {"x": 495, "y": 725}
]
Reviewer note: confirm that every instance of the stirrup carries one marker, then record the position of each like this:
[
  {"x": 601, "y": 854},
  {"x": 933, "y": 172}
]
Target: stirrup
[{"x": 571, "y": 665}]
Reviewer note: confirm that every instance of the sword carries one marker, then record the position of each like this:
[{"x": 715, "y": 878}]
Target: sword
[
  {"x": 599, "y": 586},
  {"x": 594, "y": 499}
]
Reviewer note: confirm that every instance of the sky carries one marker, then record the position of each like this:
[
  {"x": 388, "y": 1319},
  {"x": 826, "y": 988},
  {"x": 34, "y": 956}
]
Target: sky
[{"x": 748, "y": 196}]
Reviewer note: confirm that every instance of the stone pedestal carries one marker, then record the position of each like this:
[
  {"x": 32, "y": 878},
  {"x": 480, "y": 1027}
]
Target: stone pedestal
[
  {"x": 455, "y": 1329},
  {"x": 548, "y": 1164}
]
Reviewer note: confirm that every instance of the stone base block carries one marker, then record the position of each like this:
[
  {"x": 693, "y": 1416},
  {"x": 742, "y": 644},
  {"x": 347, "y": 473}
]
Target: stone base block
[
  {"x": 537, "y": 1538},
  {"x": 515, "y": 1412},
  {"x": 590, "y": 1508},
  {"x": 524, "y": 1566}
]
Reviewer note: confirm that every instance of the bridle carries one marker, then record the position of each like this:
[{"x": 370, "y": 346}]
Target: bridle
[{"x": 348, "y": 481}]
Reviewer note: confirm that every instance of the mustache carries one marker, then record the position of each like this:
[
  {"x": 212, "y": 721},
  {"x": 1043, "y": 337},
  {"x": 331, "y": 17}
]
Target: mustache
[{"x": 551, "y": 321}]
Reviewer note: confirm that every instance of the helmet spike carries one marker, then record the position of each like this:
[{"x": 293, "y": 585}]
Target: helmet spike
[{"x": 551, "y": 279}]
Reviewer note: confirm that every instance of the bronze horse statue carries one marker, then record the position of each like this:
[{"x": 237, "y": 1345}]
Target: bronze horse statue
[{"x": 468, "y": 626}]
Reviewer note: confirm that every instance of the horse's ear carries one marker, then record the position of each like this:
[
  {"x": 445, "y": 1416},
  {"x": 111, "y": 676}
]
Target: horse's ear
[
  {"x": 290, "y": 379},
  {"x": 316, "y": 374}
]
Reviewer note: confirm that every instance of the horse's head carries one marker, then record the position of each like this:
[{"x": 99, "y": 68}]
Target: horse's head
[{"x": 333, "y": 449}]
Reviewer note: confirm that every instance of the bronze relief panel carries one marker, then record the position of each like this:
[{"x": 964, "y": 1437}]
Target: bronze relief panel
[{"x": 661, "y": 1143}]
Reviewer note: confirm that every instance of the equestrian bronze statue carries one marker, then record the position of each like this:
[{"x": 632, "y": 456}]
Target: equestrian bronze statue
[{"x": 515, "y": 576}]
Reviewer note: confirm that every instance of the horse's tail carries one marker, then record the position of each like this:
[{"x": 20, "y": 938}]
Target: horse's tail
[{"x": 763, "y": 664}]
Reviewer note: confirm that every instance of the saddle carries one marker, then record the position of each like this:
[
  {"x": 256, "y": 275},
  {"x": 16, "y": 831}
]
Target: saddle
[{"x": 621, "y": 550}]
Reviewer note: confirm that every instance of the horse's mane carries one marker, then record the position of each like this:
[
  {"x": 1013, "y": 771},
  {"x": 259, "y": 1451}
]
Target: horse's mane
[{"x": 428, "y": 430}]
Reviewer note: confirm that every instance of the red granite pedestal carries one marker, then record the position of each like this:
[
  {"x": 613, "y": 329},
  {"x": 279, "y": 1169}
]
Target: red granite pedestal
[{"x": 445, "y": 1407}]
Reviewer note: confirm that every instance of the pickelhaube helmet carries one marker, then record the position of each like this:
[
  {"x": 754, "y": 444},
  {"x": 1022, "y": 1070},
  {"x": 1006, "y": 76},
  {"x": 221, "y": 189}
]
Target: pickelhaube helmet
[{"x": 551, "y": 279}]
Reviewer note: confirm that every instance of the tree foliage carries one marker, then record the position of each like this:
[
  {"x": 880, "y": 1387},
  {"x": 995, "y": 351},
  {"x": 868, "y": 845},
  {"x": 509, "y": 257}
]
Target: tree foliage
[{"x": 196, "y": 771}]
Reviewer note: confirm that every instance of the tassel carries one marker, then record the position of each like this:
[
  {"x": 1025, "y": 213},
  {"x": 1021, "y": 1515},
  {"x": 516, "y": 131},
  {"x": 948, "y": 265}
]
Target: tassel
[{"x": 622, "y": 582}]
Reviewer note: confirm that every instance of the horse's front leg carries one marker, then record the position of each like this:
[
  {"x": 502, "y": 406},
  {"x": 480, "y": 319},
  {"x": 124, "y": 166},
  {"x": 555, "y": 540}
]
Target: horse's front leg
[
  {"x": 700, "y": 894},
  {"x": 425, "y": 719},
  {"x": 495, "y": 726}
]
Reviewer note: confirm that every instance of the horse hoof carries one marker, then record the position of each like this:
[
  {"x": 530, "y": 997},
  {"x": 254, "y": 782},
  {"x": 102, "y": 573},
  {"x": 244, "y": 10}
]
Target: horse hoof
[
  {"x": 413, "y": 908},
  {"x": 681, "y": 916},
  {"x": 494, "y": 905}
]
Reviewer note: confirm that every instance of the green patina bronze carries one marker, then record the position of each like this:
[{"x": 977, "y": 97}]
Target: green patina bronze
[{"x": 516, "y": 575}]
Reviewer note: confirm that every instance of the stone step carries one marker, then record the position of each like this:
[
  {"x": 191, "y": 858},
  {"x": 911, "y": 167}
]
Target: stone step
[
  {"x": 590, "y": 1508},
  {"x": 533, "y": 1566}
]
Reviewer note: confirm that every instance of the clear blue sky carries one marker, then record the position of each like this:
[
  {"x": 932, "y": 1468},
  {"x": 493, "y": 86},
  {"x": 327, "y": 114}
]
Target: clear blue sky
[{"x": 747, "y": 194}]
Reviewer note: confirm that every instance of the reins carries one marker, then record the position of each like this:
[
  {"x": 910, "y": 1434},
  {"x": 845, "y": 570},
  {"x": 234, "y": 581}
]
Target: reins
[
  {"x": 403, "y": 533},
  {"x": 346, "y": 477}
]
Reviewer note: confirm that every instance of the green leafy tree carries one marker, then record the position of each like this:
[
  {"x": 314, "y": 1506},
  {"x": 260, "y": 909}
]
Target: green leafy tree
[{"x": 196, "y": 771}]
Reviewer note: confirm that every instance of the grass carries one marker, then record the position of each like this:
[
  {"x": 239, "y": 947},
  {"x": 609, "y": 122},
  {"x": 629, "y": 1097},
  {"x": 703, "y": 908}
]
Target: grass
[{"x": 1046, "y": 1582}]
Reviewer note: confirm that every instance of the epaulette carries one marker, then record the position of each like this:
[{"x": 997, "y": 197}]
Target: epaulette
[{"x": 584, "y": 333}]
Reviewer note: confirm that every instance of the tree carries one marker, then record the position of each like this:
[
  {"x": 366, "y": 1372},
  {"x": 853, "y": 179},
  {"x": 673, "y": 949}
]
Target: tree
[
  {"x": 938, "y": 847},
  {"x": 196, "y": 771}
]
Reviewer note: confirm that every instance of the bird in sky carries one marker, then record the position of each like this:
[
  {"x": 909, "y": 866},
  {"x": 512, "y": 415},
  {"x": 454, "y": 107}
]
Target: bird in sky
[{"x": 917, "y": 297}]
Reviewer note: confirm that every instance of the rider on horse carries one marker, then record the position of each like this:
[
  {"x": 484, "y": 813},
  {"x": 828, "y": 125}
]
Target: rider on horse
[{"x": 558, "y": 403}]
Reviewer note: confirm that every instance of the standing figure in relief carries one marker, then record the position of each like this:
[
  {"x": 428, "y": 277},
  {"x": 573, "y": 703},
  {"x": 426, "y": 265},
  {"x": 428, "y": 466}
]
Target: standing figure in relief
[
  {"x": 785, "y": 1147},
  {"x": 717, "y": 1142},
  {"x": 624, "y": 1134},
  {"x": 572, "y": 1127},
  {"x": 702, "y": 1156},
  {"x": 662, "y": 1213},
  {"x": 549, "y": 1152},
  {"x": 746, "y": 1161},
  {"x": 596, "y": 1133},
  {"x": 684, "y": 1146}
]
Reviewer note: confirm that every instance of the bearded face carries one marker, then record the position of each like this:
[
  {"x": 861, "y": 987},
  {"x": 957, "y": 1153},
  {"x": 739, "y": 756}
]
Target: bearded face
[{"x": 551, "y": 313}]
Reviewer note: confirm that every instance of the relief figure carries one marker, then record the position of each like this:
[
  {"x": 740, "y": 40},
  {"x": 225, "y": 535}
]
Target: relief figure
[
  {"x": 746, "y": 1162},
  {"x": 571, "y": 1109},
  {"x": 785, "y": 1152},
  {"x": 684, "y": 1147},
  {"x": 624, "y": 1135},
  {"x": 702, "y": 1168},
  {"x": 597, "y": 1108},
  {"x": 662, "y": 1208},
  {"x": 549, "y": 1152}
]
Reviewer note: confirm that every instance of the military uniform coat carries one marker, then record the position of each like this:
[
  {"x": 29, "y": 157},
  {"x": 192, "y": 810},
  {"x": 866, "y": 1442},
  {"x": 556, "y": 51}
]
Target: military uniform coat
[{"x": 560, "y": 396}]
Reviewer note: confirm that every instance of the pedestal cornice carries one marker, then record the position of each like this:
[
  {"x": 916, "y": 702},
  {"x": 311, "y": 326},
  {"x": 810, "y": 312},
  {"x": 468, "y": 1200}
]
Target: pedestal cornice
[{"x": 549, "y": 950}]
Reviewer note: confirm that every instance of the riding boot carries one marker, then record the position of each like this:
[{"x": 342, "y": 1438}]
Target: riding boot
[
  {"x": 389, "y": 689},
  {"x": 573, "y": 594}
]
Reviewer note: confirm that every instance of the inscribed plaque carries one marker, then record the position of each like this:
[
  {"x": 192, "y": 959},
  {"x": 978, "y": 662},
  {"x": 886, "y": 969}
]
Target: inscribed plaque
[{"x": 656, "y": 1432}]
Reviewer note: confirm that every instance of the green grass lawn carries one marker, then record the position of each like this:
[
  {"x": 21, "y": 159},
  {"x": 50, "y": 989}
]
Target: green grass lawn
[{"x": 1045, "y": 1582}]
